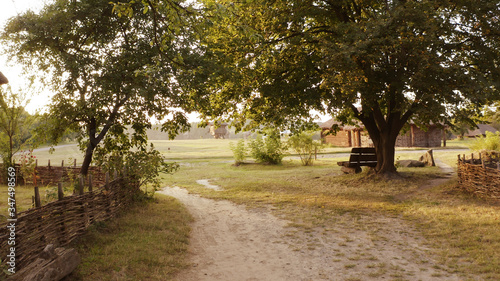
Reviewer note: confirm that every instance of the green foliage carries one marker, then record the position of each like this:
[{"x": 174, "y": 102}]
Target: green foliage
[
  {"x": 4, "y": 269},
  {"x": 268, "y": 149},
  {"x": 488, "y": 143},
  {"x": 51, "y": 193},
  {"x": 304, "y": 145},
  {"x": 239, "y": 151}
]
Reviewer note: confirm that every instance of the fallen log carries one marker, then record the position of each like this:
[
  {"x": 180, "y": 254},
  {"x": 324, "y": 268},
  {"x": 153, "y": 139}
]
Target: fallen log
[{"x": 53, "y": 264}]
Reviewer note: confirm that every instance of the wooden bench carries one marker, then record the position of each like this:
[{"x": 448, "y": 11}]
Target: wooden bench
[{"x": 360, "y": 156}]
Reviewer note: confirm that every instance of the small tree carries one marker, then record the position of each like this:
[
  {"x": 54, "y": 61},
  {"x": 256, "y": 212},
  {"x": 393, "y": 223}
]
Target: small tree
[
  {"x": 304, "y": 145},
  {"x": 15, "y": 123}
]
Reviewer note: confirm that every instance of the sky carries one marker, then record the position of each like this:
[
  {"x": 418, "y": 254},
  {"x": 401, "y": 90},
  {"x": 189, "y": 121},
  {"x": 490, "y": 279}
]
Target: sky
[{"x": 17, "y": 81}]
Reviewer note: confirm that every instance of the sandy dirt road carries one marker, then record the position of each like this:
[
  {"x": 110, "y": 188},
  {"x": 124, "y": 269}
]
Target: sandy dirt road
[{"x": 231, "y": 242}]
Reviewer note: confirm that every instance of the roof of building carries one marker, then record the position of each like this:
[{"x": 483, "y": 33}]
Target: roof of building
[
  {"x": 3, "y": 79},
  {"x": 330, "y": 123},
  {"x": 481, "y": 130},
  {"x": 359, "y": 126}
]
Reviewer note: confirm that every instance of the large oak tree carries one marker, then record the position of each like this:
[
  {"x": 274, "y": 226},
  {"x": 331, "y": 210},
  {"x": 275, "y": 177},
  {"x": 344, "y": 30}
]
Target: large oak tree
[{"x": 380, "y": 62}]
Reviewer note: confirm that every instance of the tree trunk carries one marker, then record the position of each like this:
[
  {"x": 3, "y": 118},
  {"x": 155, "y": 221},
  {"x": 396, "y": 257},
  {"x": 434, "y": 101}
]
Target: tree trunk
[
  {"x": 384, "y": 141},
  {"x": 95, "y": 139},
  {"x": 385, "y": 150},
  {"x": 10, "y": 154},
  {"x": 87, "y": 160}
]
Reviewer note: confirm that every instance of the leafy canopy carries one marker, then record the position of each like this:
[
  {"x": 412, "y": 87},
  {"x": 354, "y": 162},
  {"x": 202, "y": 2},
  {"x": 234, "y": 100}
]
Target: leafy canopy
[{"x": 381, "y": 62}]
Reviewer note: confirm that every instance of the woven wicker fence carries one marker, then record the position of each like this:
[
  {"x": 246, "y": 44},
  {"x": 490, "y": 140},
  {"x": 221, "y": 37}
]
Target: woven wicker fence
[
  {"x": 50, "y": 174},
  {"x": 60, "y": 222},
  {"x": 480, "y": 175}
]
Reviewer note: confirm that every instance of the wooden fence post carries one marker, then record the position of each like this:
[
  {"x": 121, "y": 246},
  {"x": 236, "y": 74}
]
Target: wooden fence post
[
  {"x": 36, "y": 163},
  {"x": 81, "y": 185},
  {"x": 60, "y": 192},
  {"x": 49, "y": 164},
  {"x": 38, "y": 202},
  {"x": 74, "y": 163},
  {"x": 62, "y": 164}
]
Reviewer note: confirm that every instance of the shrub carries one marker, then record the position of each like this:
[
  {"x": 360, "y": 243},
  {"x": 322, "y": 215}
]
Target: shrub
[
  {"x": 239, "y": 151},
  {"x": 268, "y": 149},
  {"x": 143, "y": 166},
  {"x": 304, "y": 145},
  {"x": 489, "y": 143}
]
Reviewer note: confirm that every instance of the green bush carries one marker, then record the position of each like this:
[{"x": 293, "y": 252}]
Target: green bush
[
  {"x": 268, "y": 149},
  {"x": 146, "y": 166},
  {"x": 239, "y": 151},
  {"x": 143, "y": 167},
  {"x": 489, "y": 143},
  {"x": 304, "y": 145}
]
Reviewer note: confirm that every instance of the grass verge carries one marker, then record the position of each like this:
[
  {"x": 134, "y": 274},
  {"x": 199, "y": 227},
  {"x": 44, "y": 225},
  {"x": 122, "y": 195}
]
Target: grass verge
[
  {"x": 464, "y": 228},
  {"x": 147, "y": 242}
]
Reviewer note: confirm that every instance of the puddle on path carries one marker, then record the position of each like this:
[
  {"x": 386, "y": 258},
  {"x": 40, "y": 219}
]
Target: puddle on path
[{"x": 208, "y": 185}]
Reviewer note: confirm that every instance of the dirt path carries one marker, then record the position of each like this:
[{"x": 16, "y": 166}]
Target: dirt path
[{"x": 230, "y": 242}]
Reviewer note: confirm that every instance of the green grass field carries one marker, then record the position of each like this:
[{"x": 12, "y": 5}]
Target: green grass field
[{"x": 465, "y": 230}]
